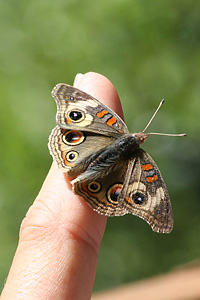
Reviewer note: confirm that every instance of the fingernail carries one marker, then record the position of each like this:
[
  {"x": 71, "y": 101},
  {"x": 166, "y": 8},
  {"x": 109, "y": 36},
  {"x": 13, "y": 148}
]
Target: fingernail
[{"x": 77, "y": 79}]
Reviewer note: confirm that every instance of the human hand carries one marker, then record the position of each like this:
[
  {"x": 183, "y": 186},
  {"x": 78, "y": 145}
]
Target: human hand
[{"x": 60, "y": 236}]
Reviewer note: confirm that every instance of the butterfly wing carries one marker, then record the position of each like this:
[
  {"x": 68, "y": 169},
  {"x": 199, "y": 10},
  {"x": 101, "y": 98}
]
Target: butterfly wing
[
  {"x": 102, "y": 193},
  {"x": 74, "y": 150},
  {"x": 76, "y": 110},
  {"x": 145, "y": 194}
]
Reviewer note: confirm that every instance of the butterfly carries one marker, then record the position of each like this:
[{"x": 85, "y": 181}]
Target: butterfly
[{"x": 112, "y": 173}]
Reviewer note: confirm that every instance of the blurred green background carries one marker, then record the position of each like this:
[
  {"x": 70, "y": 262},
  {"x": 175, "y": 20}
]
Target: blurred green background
[{"x": 150, "y": 50}]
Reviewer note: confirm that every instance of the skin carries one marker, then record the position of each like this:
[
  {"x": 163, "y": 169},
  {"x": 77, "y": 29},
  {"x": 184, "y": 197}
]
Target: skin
[{"x": 59, "y": 240}]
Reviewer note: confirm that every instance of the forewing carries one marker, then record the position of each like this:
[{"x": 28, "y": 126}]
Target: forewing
[{"x": 91, "y": 114}]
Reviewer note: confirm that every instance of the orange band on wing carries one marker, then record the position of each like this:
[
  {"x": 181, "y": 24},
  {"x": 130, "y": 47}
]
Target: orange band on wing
[
  {"x": 147, "y": 167},
  {"x": 102, "y": 113},
  {"x": 127, "y": 199},
  {"x": 111, "y": 121},
  {"x": 152, "y": 179},
  {"x": 69, "y": 121}
]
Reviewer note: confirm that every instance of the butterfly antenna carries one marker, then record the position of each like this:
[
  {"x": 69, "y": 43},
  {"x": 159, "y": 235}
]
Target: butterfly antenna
[
  {"x": 168, "y": 134},
  {"x": 158, "y": 133},
  {"x": 159, "y": 106}
]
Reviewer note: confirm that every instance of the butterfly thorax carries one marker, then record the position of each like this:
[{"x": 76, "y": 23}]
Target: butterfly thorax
[{"x": 122, "y": 148}]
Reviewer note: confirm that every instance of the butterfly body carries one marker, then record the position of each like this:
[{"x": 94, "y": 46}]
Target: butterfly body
[
  {"x": 119, "y": 152},
  {"x": 113, "y": 174}
]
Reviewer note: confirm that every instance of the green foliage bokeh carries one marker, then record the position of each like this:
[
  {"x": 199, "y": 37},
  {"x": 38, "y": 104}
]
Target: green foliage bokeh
[{"x": 150, "y": 50}]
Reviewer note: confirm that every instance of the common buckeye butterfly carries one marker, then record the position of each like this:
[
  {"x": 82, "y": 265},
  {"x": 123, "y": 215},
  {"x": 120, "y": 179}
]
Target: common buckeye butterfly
[{"x": 113, "y": 174}]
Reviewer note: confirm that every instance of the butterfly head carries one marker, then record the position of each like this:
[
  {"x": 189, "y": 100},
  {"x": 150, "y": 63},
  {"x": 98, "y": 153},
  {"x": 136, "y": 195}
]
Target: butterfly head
[{"x": 141, "y": 137}]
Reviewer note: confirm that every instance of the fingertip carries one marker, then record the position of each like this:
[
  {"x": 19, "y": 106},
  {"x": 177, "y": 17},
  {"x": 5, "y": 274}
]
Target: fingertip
[{"x": 77, "y": 79}]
